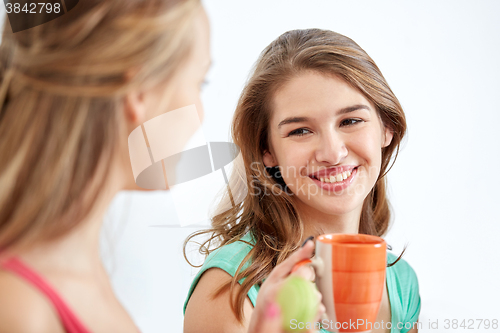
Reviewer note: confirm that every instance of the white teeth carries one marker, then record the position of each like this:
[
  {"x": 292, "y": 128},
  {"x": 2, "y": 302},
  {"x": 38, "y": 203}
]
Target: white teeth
[{"x": 338, "y": 178}]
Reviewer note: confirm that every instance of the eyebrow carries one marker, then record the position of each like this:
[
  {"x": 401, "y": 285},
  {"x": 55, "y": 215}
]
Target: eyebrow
[{"x": 291, "y": 120}]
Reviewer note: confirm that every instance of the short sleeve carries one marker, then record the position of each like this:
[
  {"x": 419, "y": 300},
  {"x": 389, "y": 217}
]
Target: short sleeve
[{"x": 228, "y": 258}]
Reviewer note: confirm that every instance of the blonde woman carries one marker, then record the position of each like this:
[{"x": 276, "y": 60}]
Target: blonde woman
[
  {"x": 318, "y": 127},
  {"x": 72, "y": 90}
]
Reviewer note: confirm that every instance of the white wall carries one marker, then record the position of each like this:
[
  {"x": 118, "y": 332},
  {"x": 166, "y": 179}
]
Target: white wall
[{"x": 441, "y": 60}]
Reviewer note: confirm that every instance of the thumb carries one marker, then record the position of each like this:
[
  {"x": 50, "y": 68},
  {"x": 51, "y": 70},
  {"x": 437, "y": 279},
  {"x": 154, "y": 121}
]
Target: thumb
[{"x": 268, "y": 320}]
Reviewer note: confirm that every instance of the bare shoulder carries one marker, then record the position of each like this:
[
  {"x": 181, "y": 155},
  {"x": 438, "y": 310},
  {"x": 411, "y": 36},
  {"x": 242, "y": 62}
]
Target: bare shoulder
[
  {"x": 20, "y": 301},
  {"x": 204, "y": 313}
]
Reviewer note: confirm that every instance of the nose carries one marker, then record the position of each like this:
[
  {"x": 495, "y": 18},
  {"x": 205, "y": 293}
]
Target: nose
[{"x": 331, "y": 148}]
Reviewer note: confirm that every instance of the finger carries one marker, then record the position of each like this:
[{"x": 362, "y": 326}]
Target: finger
[
  {"x": 321, "y": 309},
  {"x": 321, "y": 314},
  {"x": 283, "y": 270},
  {"x": 306, "y": 272},
  {"x": 320, "y": 297}
]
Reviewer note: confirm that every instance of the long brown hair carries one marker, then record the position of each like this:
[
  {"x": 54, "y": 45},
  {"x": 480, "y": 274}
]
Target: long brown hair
[
  {"x": 61, "y": 106},
  {"x": 273, "y": 219}
]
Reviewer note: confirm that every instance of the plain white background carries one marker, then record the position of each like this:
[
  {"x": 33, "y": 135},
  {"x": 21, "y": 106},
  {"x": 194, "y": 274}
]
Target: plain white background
[{"x": 441, "y": 58}]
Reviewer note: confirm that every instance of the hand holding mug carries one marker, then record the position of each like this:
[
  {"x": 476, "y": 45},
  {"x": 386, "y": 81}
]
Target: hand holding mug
[
  {"x": 267, "y": 315},
  {"x": 350, "y": 274}
]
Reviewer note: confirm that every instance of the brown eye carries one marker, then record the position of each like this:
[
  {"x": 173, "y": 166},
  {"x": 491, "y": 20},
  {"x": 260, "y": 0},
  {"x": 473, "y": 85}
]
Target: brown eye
[
  {"x": 299, "y": 132},
  {"x": 350, "y": 122}
]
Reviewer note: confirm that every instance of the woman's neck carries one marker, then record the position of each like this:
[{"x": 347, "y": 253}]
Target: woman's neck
[{"x": 318, "y": 223}]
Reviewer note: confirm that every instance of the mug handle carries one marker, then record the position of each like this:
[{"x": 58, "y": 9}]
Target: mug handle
[{"x": 316, "y": 263}]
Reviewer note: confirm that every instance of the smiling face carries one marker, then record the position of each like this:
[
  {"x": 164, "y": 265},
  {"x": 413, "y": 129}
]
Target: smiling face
[{"x": 327, "y": 139}]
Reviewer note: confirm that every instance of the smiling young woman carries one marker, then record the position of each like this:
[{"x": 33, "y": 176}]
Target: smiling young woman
[
  {"x": 327, "y": 139},
  {"x": 318, "y": 127}
]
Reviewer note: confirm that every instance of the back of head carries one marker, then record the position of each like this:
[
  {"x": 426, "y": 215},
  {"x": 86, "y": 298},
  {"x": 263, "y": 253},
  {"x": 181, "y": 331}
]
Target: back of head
[{"x": 61, "y": 99}]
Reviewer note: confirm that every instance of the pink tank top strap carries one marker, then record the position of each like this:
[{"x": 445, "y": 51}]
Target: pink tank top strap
[{"x": 68, "y": 319}]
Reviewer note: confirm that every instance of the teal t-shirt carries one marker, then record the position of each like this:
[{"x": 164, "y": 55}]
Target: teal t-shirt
[{"x": 401, "y": 280}]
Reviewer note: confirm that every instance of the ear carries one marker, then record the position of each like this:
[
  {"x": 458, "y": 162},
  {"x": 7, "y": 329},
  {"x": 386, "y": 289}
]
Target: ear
[
  {"x": 269, "y": 160},
  {"x": 135, "y": 108},
  {"x": 388, "y": 135}
]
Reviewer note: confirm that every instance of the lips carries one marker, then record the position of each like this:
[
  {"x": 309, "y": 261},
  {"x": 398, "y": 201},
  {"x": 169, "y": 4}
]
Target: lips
[{"x": 335, "y": 179}]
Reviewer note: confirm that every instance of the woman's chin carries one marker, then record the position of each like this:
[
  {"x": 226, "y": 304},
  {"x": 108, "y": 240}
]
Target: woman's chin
[{"x": 327, "y": 205}]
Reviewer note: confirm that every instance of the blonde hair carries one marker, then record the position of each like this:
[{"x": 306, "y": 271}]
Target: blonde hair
[
  {"x": 61, "y": 106},
  {"x": 273, "y": 219}
]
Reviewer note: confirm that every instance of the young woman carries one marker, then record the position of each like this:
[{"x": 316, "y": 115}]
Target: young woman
[{"x": 318, "y": 126}]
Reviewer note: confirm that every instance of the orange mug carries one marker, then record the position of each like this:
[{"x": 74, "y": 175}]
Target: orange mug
[{"x": 350, "y": 274}]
